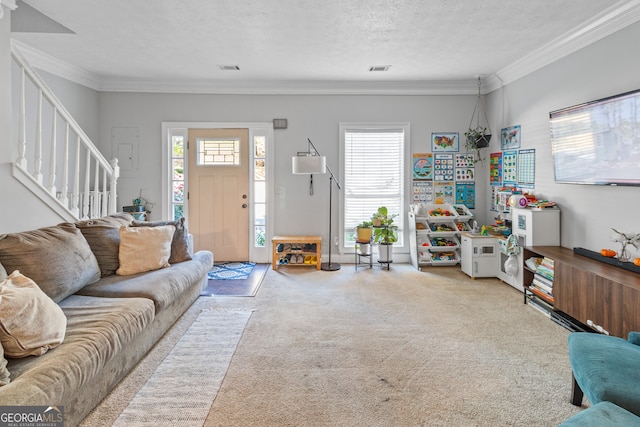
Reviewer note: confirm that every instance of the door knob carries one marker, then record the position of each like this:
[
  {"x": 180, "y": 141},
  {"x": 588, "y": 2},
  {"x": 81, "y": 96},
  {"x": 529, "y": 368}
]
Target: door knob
[{"x": 244, "y": 206}]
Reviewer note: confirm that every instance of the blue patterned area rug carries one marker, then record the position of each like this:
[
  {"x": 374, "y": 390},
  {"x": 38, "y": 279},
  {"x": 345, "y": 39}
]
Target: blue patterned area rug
[
  {"x": 231, "y": 271},
  {"x": 235, "y": 279}
]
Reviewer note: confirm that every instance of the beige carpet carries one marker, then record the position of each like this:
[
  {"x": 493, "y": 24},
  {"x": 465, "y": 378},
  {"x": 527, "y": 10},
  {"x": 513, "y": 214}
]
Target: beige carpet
[{"x": 380, "y": 348}]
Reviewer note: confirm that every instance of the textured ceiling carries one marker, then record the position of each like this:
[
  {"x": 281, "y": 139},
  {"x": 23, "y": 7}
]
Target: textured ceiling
[{"x": 302, "y": 40}]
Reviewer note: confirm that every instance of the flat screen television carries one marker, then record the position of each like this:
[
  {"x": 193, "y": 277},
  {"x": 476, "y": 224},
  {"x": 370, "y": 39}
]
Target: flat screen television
[{"x": 598, "y": 142}]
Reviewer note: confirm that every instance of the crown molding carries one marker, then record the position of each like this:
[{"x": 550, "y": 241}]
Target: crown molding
[
  {"x": 9, "y": 4},
  {"x": 615, "y": 18},
  {"x": 50, "y": 64},
  {"x": 293, "y": 87}
]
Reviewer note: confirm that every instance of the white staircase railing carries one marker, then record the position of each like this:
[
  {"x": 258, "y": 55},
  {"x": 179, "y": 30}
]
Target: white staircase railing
[{"x": 56, "y": 159}]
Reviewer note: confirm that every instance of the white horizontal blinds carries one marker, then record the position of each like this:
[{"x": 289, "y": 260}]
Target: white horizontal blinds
[{"x": 374, "y": 174}]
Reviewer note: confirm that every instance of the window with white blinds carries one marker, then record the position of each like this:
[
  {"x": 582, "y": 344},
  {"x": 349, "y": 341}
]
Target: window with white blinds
[{"x": 374, "y": 175}]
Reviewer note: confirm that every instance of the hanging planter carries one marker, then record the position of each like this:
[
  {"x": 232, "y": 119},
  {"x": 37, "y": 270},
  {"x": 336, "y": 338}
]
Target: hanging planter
[{"x": 479, "y": 136}]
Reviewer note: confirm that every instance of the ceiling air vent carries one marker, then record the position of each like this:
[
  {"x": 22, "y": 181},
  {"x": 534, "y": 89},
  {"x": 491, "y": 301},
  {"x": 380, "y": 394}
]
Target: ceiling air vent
[
  {"x": 379, "y": 68},
  {"x": 229, "y": 67}
]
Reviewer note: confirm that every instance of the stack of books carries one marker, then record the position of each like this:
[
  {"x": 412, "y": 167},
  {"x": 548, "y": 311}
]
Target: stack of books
[{"x": 542, "y": 284}]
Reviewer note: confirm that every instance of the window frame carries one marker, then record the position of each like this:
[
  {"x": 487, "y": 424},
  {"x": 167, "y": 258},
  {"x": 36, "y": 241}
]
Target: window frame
[{"x": 403, "y": 244}]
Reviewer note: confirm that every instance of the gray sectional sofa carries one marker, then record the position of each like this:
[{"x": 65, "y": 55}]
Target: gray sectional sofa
[{"x": 112, "y": 320}]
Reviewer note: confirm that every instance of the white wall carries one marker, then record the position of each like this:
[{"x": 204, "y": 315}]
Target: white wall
[
  {"x": 315, "y": 117},
  {"x": 606, "y": 68}
]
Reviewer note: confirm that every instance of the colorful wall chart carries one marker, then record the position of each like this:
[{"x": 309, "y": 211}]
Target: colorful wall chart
[
  {"x": 443, "y": 169},
  {"x": 495, "y": 168},
  {"x": 443, "y": 192},
  {"x": 510, "y": 138},
  {"x": 510, "y": 167},
  {"x": 527, "y": 167},
  {"x": 422, "y": 192},
  {"x": 465, "y": 167},
  {"x": 466, "y": 194},
  {"x": 422, "y": 165},
  {"x": 445, "y": 141}
]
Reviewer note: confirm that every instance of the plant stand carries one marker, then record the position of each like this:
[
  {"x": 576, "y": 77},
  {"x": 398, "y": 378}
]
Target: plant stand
[
  {"x": 368, "y": 255},
  {"x": 387, "y": 248}
]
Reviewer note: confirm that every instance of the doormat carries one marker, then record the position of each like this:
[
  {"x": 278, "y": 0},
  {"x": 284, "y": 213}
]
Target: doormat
[
  {"x": 231, "y": 271},
  {"x": 237, "y": 287}
]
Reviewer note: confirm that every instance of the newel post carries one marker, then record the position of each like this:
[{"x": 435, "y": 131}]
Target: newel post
[{"x": 113, "y": 196}]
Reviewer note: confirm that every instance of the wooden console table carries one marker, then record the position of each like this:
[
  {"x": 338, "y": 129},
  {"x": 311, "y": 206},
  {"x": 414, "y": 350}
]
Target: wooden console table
[
  {"x": 602, "y": 296},
  {"x": 302, "y": 242}
]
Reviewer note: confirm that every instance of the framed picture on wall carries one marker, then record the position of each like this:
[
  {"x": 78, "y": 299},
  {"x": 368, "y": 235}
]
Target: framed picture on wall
[
  {"x": 510, "y": 138},
  {"x": 445, "y": 141}
]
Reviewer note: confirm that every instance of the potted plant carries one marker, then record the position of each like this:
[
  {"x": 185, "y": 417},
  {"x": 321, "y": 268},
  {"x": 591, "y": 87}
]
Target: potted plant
[
  {"x": 385, "y": 234},
  {"x": 363, "y": 238},
  {"x": 364, "y": 231},
  {"x": 478, "y": 137},
  {"x": 475, "y": 139}
]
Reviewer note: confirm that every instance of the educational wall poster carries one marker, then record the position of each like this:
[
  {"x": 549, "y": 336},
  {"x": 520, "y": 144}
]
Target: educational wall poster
[
  {"x": 465, "y": 167},
  {"x": 445, "y": 141},
  {"x": 443, "y": 168},
  {"x": 510, "y": 167},
  {"x": 527, "y": 167},
  {"x": 443, "y": 192},
  {"x": 495, "y": 168},
  {"x": 422, "y": 192},
  {"x": 466, "y": 194},
  {"x": 510, "y": 138},
  {"x": 493, "y": 193},
  {"x": 422, "y": 165}
]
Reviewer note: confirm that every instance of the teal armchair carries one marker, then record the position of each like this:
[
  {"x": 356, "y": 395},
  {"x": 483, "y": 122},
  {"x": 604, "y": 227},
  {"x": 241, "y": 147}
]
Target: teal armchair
[{"x": 606, "y": 369}]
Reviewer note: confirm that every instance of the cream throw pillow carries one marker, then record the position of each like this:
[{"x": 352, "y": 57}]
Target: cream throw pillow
[
  {"x": 5, "y": 375},
  {"x": 30, "y": 322},
  {"x": 144, "y": 249}
]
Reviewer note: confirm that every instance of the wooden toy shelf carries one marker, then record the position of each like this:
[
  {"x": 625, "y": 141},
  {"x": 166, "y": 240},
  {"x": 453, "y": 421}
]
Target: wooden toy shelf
[{"x": 298, "y": 242}]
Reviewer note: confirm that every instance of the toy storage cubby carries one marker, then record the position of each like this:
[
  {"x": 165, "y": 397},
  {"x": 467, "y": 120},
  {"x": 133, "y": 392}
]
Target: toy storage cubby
[{"x": 435, "y": 233}]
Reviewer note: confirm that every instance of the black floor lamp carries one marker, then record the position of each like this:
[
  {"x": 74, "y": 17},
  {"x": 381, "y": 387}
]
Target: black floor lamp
[{"x": 313, "y": 163}]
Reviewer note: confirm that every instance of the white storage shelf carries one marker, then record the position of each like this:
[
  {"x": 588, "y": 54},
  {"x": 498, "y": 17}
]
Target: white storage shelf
[{"x": 431, "y": 224}]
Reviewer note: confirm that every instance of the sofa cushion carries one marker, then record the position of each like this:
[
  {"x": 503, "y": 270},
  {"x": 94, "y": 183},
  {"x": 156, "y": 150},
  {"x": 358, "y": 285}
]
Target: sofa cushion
[
  {"x": 180, "y": 246},
  {"x": 98, "y": 329},
  {"x": 162, "y": 286},
  {"x": 57, "y": 258},
  {"x": 5, "y": 376},
  {"x": 103, "y": 236},
  {"x": 144, "y": 249},
  {"x": 30, "y": 322}
]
